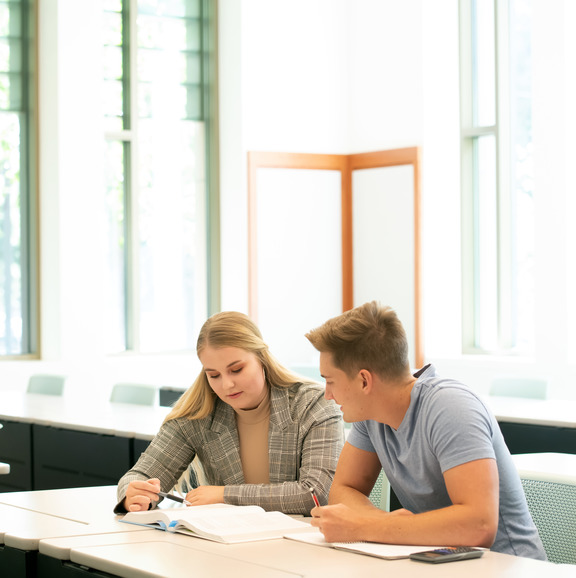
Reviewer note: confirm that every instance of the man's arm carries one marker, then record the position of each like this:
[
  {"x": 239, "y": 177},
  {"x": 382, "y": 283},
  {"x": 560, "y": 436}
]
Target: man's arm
[
  {"x": 471, "y": 520},
  {"x": 356, "y": 473}
]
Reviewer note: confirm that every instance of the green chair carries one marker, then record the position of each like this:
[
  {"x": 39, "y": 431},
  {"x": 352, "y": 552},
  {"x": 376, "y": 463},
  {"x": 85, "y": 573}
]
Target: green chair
[
  {"x": 549, "y": 482},
  {"x": 46, "y": 384},
  {"x": 534, "y": 388},
  {"x": 136, "y": 393}
]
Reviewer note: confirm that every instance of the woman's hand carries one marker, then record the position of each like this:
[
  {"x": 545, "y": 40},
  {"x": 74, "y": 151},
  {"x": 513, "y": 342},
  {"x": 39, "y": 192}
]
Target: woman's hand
[
  {"x": 140, "y": 494},
  {"x": 206, "y": 495}
]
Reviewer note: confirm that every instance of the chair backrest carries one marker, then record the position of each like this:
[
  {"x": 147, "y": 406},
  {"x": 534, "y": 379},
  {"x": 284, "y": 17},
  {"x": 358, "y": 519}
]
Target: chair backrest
[
  {"x": 534, "y": 388},
  {"x": 549, "y": 482},
  {"x": 134, "y": 393},
  {"x": 380, "y": 494},
  {"x": 46, "y": 384}
]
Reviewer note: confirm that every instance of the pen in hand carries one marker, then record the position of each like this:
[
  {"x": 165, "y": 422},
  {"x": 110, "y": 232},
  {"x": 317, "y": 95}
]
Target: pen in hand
[
  {"x": 315, "y": 498},
  {"x": 175, "y": 498}
]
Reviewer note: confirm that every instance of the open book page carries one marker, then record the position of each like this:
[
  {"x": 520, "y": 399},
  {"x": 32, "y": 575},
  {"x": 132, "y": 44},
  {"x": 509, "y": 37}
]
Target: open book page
[
  {"x": 242, "y": 524},
  {"x": 386, "y": 551},
  {"x": 161, "y": 518},
  {"x": 222, "y": 524}
]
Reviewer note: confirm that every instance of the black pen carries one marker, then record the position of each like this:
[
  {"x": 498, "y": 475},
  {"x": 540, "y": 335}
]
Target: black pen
[{"x": 173, "y": 497}]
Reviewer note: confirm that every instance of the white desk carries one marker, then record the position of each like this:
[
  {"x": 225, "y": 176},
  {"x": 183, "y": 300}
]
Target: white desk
[
  {"x": 545, "y": 412},
  {"x": 154, "y": 553},
  {"x": 80, "y": 414},
  {"x": 536, "y": 425},
  {"x": 77, "y": 526},
  {"x": 551, "y": 467},
  {"x": 103, "y": 439}
]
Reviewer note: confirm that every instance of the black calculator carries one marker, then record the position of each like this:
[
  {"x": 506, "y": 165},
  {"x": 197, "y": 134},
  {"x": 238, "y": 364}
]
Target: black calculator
[{"x": 447, "y": 554}]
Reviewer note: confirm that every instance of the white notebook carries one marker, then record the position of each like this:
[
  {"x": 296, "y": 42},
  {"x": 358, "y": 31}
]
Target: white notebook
[{"x": 385, "y": 551}]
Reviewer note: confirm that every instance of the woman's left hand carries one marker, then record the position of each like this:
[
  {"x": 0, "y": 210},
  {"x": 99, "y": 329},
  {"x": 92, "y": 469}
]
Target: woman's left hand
[{"x": 204, "y": 495}]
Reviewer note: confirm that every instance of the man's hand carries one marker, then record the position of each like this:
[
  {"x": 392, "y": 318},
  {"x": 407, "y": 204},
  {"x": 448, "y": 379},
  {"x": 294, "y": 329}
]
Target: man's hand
[
  {"x": 340, "y": 523},
  {"x": 140, "y": 494}
]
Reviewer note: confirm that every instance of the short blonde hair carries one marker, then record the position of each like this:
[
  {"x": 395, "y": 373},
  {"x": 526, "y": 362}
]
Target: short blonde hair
[
  {"x": 367, "y": 337},
  {"x": 229, "y": 329}
]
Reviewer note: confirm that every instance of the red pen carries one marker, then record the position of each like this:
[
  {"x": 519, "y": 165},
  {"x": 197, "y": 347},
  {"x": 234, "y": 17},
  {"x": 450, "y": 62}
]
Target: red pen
[{"x": 315, "y": 498}]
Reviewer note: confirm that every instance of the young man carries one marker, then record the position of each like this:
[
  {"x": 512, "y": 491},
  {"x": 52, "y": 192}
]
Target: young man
[{"x": 439, "y": 445}]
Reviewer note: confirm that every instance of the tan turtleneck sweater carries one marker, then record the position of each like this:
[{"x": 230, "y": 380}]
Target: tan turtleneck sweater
[{"x": 253, "y": 427}]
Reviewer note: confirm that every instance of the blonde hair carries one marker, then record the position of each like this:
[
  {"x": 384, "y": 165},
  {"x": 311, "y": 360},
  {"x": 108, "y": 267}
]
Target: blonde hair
[
  {"x": 367, "y": 337},
  {"x": 229, "y": 329}
]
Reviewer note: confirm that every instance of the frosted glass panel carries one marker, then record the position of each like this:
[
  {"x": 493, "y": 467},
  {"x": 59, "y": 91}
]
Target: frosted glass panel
[
  {"x": 384, "y": 246},
  {"x": 298, "y": 258}
]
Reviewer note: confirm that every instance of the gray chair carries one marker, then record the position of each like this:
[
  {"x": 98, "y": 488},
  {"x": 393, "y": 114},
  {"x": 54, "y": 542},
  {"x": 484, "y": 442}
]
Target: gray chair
[
  {"x": 534, "y": 388},
  {"x": 136, "y": 393},
  {"x": 46, "y": 384},
  {"x": 380, "y": 494},
  {"x": 549, "y": 482}
]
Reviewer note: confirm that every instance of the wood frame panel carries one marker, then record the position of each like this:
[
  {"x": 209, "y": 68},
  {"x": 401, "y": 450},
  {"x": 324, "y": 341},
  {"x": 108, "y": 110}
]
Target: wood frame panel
[{"x": 346, "y": 164}]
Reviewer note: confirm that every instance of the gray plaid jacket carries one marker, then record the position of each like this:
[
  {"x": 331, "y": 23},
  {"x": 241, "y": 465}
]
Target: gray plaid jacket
[{"x": 305, "y": 439}]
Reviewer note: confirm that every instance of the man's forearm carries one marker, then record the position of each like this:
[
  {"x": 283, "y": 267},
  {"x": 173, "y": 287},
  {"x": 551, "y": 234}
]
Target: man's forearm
[{"x": 350, "y": 496}]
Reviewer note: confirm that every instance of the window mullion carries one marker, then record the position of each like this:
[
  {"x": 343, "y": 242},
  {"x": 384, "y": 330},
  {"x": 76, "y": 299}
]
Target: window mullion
[{"x": 504, "y": 193}]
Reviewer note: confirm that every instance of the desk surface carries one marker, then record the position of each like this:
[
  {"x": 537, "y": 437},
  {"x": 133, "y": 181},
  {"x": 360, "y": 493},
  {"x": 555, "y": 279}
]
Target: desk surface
[
  {"x": 78, "y": 525},
  {"x": 550, "y": 412},
  {"x": 28, "y": 517},
  {"x": 548, "y": 466},
  {"x": 154, "y": 553},
  {"x": 96, "y": 416}
]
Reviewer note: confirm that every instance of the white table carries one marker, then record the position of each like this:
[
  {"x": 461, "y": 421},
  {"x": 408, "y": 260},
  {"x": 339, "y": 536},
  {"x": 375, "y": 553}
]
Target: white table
[
  {"x": 154, "y": 553},
  {"x": 77, "y": 526},
  {"x": 544, "y": 412},
  {"x": 548, "y": 466},
  {"x": 103, "y": 439}
]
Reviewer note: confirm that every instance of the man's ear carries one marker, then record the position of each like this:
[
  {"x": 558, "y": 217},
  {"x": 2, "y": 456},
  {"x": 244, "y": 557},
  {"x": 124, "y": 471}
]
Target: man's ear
[{"x": 367, "y": 380}]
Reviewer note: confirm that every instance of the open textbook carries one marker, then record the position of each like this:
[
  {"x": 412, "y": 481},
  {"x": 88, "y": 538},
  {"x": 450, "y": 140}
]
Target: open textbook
[
  {"x": 385, "y": 551},
  {"x": 227, "y": 524}
]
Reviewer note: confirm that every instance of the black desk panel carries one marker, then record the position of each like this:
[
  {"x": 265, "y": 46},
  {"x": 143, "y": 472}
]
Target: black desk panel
[
  {"x": 66, "y": 458},
  {"x": 52, "y": 568},
  {"x": 15, "y": 450},
  {"x": 16, "y": 563},
  {"x": 523, "y": 438}
]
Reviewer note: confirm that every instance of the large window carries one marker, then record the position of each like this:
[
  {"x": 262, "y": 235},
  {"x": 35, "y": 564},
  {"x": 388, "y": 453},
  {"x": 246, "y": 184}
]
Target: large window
[
  {"x": 158, "y": 60},
  {"x": 497, "y": 176},
  {"x": 18, "y": 298}
]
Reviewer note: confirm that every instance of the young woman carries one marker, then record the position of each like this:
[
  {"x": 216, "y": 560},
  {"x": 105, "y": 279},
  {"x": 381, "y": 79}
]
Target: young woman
[{"x": 261, "y": 434}]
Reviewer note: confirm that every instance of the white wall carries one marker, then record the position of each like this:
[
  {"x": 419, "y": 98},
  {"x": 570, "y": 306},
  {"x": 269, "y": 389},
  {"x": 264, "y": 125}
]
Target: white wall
[
  {"x": 334, "y": 76},
  {"x": 357, "y": 75}
]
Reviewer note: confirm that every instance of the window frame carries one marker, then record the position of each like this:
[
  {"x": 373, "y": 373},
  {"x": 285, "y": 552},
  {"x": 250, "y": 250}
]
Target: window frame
[
  {"x": 29, "y": 187},
  {"x": 129, "y": 138},
  {"x": 471, "y": 132}
]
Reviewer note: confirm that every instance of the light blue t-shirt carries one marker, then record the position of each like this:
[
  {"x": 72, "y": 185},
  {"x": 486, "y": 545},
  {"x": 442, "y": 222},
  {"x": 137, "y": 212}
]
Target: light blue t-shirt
[{"x": 447, "y": 425}]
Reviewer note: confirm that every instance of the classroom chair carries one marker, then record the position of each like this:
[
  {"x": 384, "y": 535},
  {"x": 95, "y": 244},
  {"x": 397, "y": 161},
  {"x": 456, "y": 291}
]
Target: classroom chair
[
  {"x": 46, "y": 384},
  {"x": 549, "y": 482},
  {"x": 380, "y": 494},
  {"x": 137, "y": 393},
  {"x": 533, "y": 388}
]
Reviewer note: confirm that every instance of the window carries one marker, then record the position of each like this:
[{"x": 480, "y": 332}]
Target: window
[
  {"x": 17, "y": 182},
  {"x": 157, "y": 107},
  {"x": 497, "y": 176}
]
